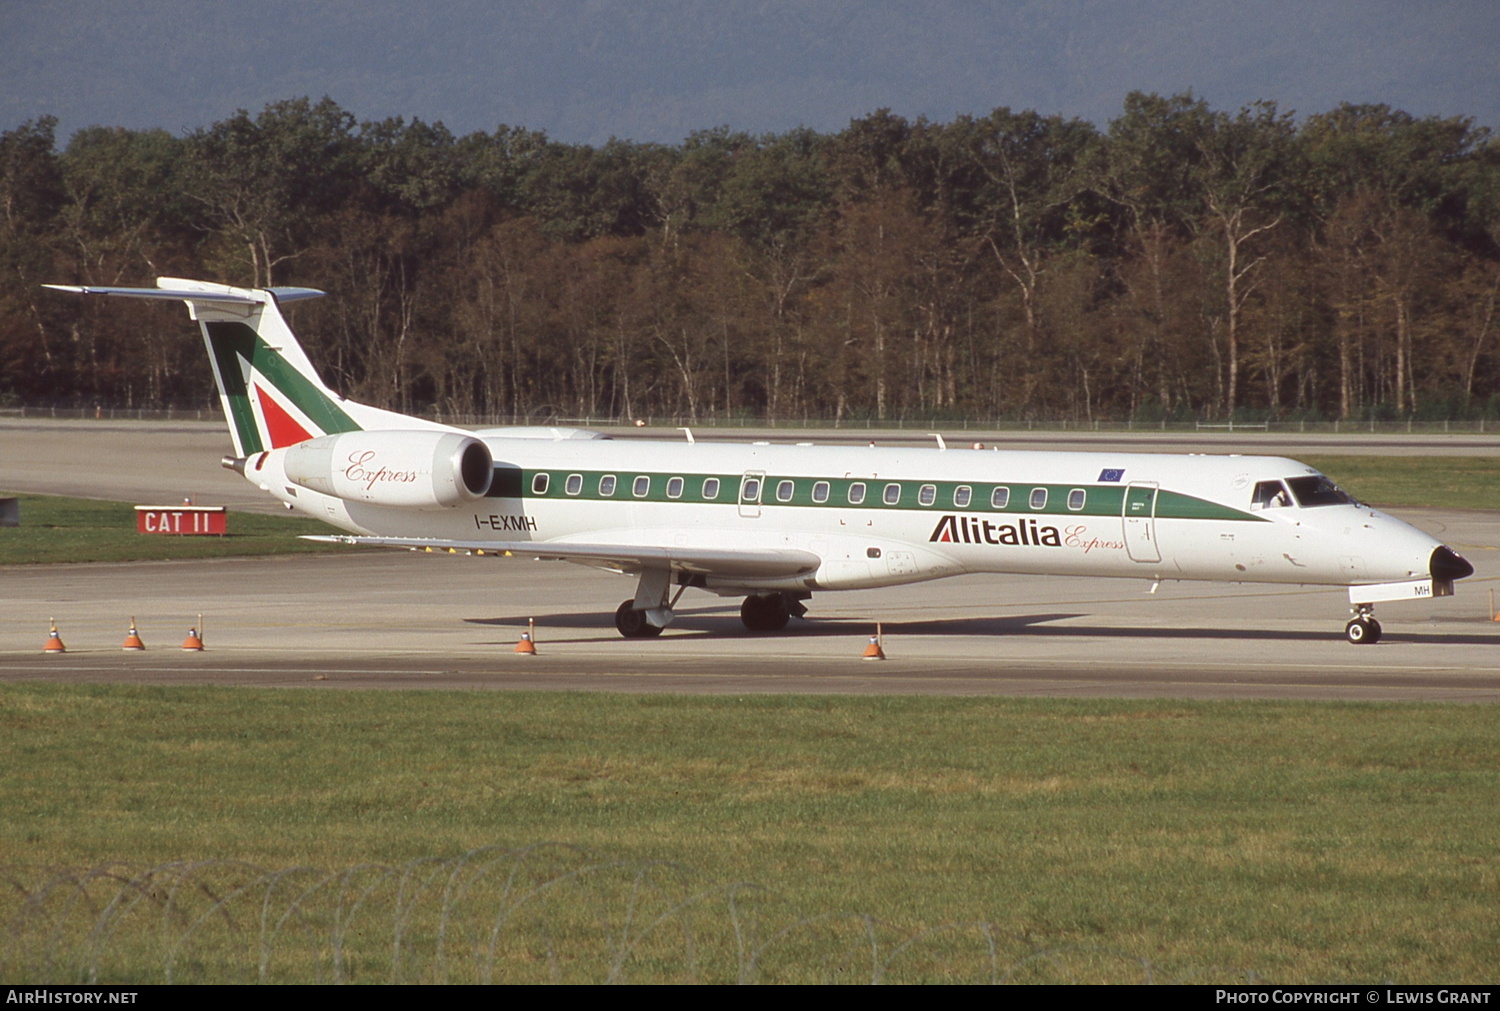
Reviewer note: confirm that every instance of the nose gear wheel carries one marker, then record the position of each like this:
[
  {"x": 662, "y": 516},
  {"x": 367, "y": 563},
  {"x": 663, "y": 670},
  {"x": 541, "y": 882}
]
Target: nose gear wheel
[{"x": 1363, "y": 629}]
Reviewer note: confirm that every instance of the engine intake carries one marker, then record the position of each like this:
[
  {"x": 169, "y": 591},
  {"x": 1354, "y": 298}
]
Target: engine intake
[{"x": 413, "y": 470}]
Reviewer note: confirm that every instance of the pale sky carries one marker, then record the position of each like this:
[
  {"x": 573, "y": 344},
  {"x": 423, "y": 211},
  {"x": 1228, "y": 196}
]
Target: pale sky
[{"x": 654, "y": 70}]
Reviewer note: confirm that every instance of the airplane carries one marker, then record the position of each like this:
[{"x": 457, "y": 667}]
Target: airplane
[{"x": 775, "y": 523}]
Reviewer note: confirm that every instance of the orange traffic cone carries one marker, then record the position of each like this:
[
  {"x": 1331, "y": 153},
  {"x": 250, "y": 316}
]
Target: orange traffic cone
[
  {"x": 874, "y": 651},
  {"x": 54, "y": 641},
  {"x": 193, "y": 641},
  {"x": 527, "y": 645},
  {"x": 132, "y": 638}
]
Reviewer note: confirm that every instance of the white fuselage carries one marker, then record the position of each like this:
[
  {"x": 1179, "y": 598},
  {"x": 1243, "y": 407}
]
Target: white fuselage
[{"x": 885, "y": 516}]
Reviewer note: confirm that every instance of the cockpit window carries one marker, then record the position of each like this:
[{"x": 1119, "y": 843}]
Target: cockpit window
[
  {"x": 1270, "y": 495},
  {"x": 1318, "y": 491}
]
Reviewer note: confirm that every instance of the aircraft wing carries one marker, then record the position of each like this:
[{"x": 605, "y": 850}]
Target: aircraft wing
[{"x": 762, "y": 562}]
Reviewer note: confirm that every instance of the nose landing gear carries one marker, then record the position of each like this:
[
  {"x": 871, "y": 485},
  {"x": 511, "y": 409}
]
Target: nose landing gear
[{"x": 1363, "y": 629}]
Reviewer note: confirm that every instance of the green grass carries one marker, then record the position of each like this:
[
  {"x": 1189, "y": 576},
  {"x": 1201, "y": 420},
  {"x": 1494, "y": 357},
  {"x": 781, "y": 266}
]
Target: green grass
[
  {"x": 1292, "y": 842},
  {"x": 57, "y": 529},
  {"x": 1441, "y": 482}
]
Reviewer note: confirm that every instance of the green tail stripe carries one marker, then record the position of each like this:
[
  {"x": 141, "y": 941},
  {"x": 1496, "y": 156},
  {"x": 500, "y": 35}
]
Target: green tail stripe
[
  {"x": 227, "y": 341},
  {"x": 232, "y": 341}
]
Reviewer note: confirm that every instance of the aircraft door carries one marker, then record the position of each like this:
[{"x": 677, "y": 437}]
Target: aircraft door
[
  {"x": 1140, "y": 522},
  {"x": 751, "y": 486}
]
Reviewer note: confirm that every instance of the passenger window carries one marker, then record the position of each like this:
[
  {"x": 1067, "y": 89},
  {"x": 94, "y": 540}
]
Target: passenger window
[
  {"x": 750, "y": 490},
  {"x": 539, "y": 484},
  {"x": 606, "y": 486},
  {"x": 892, "y": 494},
  {"x": 1000, "y": 498},
  {"x": 574, "y": 485},
  {"x": 711, "y": 488},
  {"x": 961, "y": 496},
  {"x": 642, "y": 486},
  {"x": 1039, "y": 498},
  {"x": 927, "y": 494},
  {"x": 784, "y": 491},
  {"x": 856, "y": 493},
  {"x": 1076, "y": 498},
  {"x": 1270, "y": 495},
  {"x": 820, "y": 492},
  {"x": 674, "y": 487}
]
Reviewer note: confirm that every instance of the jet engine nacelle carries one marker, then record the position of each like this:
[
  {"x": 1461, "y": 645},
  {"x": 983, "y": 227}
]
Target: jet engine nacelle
[{"x": 414, "y": 470}]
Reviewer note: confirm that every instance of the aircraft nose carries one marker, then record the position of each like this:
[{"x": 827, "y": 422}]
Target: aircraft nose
[{"x": 1447, "y": 565}]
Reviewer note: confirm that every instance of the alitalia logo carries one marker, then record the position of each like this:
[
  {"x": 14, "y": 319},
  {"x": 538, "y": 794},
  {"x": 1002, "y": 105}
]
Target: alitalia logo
[{"x": 972, "y": 530}]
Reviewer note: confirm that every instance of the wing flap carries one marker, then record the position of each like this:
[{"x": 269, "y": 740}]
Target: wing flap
[{"x": 762, "y": 562}]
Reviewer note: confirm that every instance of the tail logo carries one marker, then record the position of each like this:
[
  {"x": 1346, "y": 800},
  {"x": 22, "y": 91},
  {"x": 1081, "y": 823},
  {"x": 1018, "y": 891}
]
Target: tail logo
[
  {"x": 283, "y": 429},
  {"x": 270, "y": 404}
]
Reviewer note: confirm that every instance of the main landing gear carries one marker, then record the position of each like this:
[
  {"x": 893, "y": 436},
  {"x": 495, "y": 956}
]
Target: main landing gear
[
  {"x": 759, "y": 612},
  {"x": 1363, "y": 629},
  {"x": 769, "y": 612},
  {"x": 650, "y": 610},
  {"x": 632, "y": 624}
]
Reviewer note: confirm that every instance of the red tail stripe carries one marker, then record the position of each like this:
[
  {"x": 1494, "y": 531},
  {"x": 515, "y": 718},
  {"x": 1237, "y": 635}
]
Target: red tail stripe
[{"x": 280, "y": 426}]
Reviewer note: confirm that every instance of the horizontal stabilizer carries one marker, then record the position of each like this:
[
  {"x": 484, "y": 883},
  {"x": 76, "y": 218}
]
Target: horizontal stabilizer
[
  {"x": 756, "y": 562},
  {"x": 179, "y": 290},
  {"x": 272, "y": 396},
  {"x": 170, "y": 294}
]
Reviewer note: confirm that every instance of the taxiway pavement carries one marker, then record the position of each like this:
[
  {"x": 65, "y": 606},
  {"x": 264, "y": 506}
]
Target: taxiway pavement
[{"x": 372, "y": 619}]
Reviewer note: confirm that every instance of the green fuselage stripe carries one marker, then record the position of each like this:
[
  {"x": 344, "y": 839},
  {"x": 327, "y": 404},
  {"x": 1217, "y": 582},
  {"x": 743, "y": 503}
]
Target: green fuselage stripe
[{"x": 1098, "y": 500}]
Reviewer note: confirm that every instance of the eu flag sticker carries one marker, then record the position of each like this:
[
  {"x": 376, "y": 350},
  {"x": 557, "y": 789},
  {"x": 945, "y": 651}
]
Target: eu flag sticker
[{"x": 1111, "y": 475}]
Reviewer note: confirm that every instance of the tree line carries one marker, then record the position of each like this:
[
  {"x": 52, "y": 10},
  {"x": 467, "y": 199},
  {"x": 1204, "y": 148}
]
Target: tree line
[{"x": 1182, "y": 262}]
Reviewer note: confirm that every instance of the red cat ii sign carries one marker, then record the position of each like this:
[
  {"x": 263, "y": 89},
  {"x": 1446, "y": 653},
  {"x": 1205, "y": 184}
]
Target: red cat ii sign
[{"x": 183, "y": 519}]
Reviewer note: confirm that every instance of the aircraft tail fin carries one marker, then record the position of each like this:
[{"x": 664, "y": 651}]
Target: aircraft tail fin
[{"x": 272, "y": 395}]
